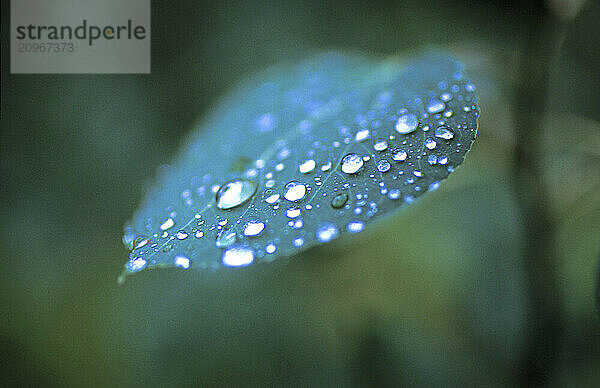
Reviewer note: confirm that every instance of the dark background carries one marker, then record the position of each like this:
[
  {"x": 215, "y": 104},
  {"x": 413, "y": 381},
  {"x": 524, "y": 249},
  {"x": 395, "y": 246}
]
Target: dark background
[{"x": 433, "y": 295}]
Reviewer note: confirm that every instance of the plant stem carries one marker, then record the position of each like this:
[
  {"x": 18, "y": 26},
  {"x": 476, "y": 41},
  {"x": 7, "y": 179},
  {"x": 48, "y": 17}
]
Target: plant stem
[{"x": 544, "y": 307}]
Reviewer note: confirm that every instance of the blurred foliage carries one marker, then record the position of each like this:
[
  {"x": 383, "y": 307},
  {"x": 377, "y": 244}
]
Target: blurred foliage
[{"x": 433, "y": 296}]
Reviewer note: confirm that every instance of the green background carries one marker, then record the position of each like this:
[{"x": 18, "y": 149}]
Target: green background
[{"x": 433, "y": 295}]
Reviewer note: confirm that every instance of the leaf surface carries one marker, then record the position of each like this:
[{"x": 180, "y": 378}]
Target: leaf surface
[{"x": 302, "y": 154}]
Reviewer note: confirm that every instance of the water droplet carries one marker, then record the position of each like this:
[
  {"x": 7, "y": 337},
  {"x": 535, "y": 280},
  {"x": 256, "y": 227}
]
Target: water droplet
[
  {"x": 237, "y": 257},
  {"x": 181, "y": 235},
  {"x": 430, "y": 144},
  {"x": 234, "y": 193},
  {"x": 351, "y": 163},
  {"x": 136, "y": 264},
  {"x": 361, "y": 135},
  {"x": 432, "y": 159},
  {"x": 293, "y": 212},
  {"x": 407, "y": 123},
  {"x": 294, "y": 191},
  {"x": 225, "y": 238},
  {"x": 199, "y": 234},
  {"x": 168, "y": 223},
  {"x": 270, "y": 248},
  {"x": 339, "y": 200},
  {"x": 327, "y": 232},
  {"x": 446, "y": 96},
  {"x": 355, "y": 226},
  {"x": 380, "y": 145},
  {"x": 443, "y": 160},
  {"x": 444, "y": 132},
  {"x": 271, "y": 196},
  {"x": 417, "y": 173},
  {"x": 182, "y": 261},
  {"x": 140, "y": 241},
  {"x": 307, "y": 166},
  {"x": 383, "y": 165},
  {"x": 394, "y": 194},
  {"x": 326, "y": 166},
  {"x": 253, "y": 228},
  {"x": 435, "y": 106},
  {"x": 399, "y": 155}
]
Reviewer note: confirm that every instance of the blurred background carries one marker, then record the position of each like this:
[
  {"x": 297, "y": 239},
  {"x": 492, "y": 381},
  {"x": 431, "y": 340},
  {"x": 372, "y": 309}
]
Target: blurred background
[{"x": 438, "y": 294}]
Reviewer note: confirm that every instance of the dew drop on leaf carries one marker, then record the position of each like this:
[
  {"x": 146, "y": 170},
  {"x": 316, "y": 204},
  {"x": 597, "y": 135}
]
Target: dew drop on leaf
[
  {"x": 407, "y": 123},
  {"x": 435, "y": 106},
  {"x": 136, "y": 264},
  {"x": 306, "y": 166},
  {"x": 327, "y": 232},
  {"x": 294, "y": 191},
  {"x": 383, "y": 165},
  {"x": 361, "y": 135},
  {"x": 443, "y": 132},
  {"x": 351, "y": 163},
  {"x": 339, "y": 200},
  {"x": 430, "y": 144},
  {"x": 181, "y": 261},
  {"x": 167, "y": 224},
  {"x": 293, "y": 212},
  {"x": 399, "y": 155},
  {"x": 355, "y": 226},
  {"x": 237, "y": 257},
  {"x": 253, "y": 228},
  {"x": 235, "y": 193},
  {"x": 380, "y": 145}
]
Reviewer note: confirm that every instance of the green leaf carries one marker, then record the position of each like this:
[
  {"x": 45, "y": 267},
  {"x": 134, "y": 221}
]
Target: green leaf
[{"x": 302, "y": 154}]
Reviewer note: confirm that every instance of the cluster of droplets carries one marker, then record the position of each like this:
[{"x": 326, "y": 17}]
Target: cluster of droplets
[{"x": 401, "y": 153}]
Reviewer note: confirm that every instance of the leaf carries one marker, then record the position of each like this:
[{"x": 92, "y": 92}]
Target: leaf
[{"x": 302, "y": 154}]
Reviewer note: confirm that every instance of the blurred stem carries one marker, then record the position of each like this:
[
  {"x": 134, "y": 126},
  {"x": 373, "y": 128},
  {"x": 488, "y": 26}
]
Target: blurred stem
[{"x": 544, "y": 320}]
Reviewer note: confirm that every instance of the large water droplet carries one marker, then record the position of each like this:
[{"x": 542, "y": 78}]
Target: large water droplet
[
  {"x": 435, "y": 106},
  {"x": 407, "y": 123},
  {"x": 355, "y": 226},
  {"x": 293, "y": 212},
  {"x": 361, "y": 135},
  {"x": 271, "y": 196},
  {"x": 270, "y": 248},
  {"x": 430, "y": 143},
  {"x": 326, "y": 166},
  {"x": 307, "y": 166},
  {"x": 351, "y": 163},
  {"x": 140, "y": 241},
  {"x": 444, "y": 132},
  {"x": 383, "y": 165},
  {"x": 339, "y": 200},
  {"x": 253, "y": 228},
  {"x": 327, "y": 232},
  {"x": 294, "y": 191},
  {"x": 237, "y": 257},
  {"x": 399, "y": 155},
  {"x": 182, "y": 261},
  {"x": 380, "y": 145},
  {"x": 167, "y": 224},
  {"x": 136, "y": 264},
  {"x": 235, "y": 193}
]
